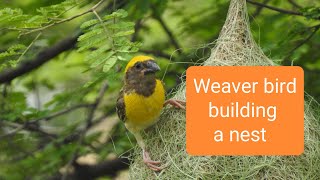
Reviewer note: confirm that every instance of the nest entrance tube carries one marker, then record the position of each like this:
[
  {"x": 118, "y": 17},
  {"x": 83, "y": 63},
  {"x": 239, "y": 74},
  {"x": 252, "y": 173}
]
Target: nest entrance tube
[{"x": 166, "y": 140}]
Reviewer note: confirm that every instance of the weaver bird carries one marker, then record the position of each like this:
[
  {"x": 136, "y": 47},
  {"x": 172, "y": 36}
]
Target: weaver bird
[{"x": 141, "y": 100}]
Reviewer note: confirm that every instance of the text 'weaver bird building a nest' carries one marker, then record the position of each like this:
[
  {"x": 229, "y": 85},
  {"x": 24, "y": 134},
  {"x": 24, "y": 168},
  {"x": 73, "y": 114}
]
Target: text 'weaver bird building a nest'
[{"x": 167, "y": 140}]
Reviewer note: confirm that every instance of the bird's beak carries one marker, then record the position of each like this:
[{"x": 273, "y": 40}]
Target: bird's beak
[{"x": 152, "y": 67}]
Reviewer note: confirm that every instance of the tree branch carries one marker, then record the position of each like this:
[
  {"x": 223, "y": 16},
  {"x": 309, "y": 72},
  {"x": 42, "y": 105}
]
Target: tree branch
[
  {"x": 275, "y": 8},
  {"x": 49, "y": 53},
  {"x": 258, "y": 10},
  {"x": 54, "y": 115},
  {"x": 65, "y": 20},
  {"x": 90, "y": 172},
  {"x": 43, "y": 57},
  {"x": 156, "y": 53},
  {"x": 286, "y": 60},
  {"x": 30, "y": 126},
  {"x": 76, "y": 135},
  {"x": 137, "y": 27},
  {"x": 35, "y": 127},
  {"x": 89, "y": 120},
  {"x": 295, "y": 4},
  {"x": 167, "y": 30},
  {"x": 13, "y": 132}
]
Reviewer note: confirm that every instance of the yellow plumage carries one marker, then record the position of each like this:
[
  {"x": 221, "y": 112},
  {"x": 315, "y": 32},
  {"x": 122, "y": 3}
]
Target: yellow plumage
[{"x": 141, "y": 111}]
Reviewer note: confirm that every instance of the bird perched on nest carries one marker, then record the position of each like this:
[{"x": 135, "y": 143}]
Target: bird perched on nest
[{"x": 141, "y": 100}]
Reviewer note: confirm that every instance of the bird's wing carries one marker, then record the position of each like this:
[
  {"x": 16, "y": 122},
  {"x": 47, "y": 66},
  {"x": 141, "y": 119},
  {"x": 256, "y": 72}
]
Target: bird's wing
[{"x": 121, "y": 109}]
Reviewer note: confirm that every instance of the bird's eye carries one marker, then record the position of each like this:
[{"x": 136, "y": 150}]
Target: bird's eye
[{"x": 138, "y": 66}]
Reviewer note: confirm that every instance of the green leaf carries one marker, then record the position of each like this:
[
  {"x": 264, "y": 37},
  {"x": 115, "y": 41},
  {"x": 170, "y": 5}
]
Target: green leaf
[
  {"x": 90, "y": 34},
  {"x": 91, "y": 42},
  {"x": 9, "y": 58},
  {"x": 99, "y": 77},
  {"x": 89, "y": 23},
  {"x": 120, "y": 13},
  {"x": 58, "y": 9},
  {"x": 13, "y": 50},
  {"x": 95, "y": 54},
  {"x": 123, "y": 33},
  {"x": 100, "y": 37},
  {"x": 109, "y": 64},
  {"x": 121, "y": 25},
  {"x": 14, "y": 19},
  {"x": 121, "y": 58},
  {"x": 127, "y": 47},
  {"x": 15, "y": 106},
  {"x": 311, "y": 12},
  {"x": 101, "y": 60},
  {"x": 8, "y": 13}
]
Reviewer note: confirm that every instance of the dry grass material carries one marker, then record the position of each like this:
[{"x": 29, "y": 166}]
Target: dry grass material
[{"x": 166, "y": 140}]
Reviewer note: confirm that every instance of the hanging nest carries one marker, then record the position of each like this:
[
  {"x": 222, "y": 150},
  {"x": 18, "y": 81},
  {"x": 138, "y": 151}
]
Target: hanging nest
[{"x": 166, "y": 141}]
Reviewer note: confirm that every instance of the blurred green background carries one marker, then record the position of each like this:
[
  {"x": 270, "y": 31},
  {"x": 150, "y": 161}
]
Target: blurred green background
[{"x": 56, "y": 55}]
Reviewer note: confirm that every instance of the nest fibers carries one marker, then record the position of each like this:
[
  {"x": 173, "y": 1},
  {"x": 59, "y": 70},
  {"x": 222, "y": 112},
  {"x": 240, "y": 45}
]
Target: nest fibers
[{"x": 166, "y": 140}]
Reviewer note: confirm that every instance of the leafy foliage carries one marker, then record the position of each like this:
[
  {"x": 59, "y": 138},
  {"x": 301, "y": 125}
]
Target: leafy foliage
[
  {"x": 311, "y": 12},
  {"x": 15, "y": 110},
  {"x": 108, "y": 40},
  {"x": 15, "y": 19},
  {"x": 10, "y": 57},
  {"x": 56, "y": 10}
]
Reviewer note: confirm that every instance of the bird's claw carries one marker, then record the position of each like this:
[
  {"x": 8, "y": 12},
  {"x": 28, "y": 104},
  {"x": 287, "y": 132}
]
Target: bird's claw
[
  {"x": 175, "y": 103},
  {"x": 153, "y": 165}
]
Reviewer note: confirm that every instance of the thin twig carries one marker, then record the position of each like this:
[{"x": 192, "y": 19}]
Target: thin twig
[
  {"x": 316, "y": 28},
  {"x": 258, "y": 10},
  {"x": 30, "y": 45},
  {"x": 114, "y": 22},
  {"x": 137, "y": 27},
  {"x": 170, "y": 34},
  {"x": 167, "y": 30},
  {"x": 26, "y": 126},
  {"x": 95, "y": 104},
  {"x": 295, "y": 4},
  {"x": 35, "y": 88},
  {"x": 54, "y": 115},
  {"x": 13, "y": 132},
  {"x": 89, "y": 120},
  {"x": 65, "y": 20},
  {"x": 6, "y": 76},
  {"x": 275, "y": 8},
  {"x": 75, "y": 5},
  {"x": 21, "y": 157},
  {"x": 4, "y": 94},
  {"x": 104, "y": 28},
  {"x": 66, "y": 140},
  {"x": 103, "y": 117},
  {"x": 100, "y": 20},
  {"x": 34, "y": 127},
  {"x": 43, "y": 56},
  {"x": 156, "y": 53}
]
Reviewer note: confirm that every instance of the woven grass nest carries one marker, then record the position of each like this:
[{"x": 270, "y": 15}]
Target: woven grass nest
[{"x": 166, "y": 140}]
